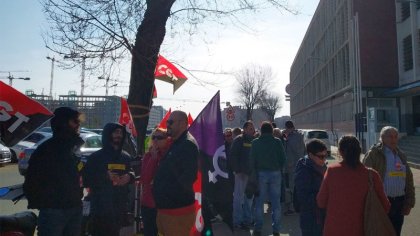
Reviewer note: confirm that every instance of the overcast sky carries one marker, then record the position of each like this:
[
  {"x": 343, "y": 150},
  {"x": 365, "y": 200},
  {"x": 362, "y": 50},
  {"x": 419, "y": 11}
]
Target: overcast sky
[{"x": 274, "y": 41}]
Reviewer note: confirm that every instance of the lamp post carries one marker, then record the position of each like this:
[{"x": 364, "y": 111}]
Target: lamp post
[
  {"x": 53, "y": 60},
  {"x": 82, "y": 80}
]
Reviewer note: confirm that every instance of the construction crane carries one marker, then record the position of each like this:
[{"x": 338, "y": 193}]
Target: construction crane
[{"x": 11, "y": 77}]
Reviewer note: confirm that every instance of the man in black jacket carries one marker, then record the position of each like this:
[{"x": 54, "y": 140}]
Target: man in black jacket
[
  {"x": 173, "y": 183},
  {"x": 239, "y": 155},
  {"x": 52, "y": 182},
  {"x": 108, "y": 173}
]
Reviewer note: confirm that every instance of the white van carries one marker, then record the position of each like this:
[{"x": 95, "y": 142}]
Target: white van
[{"x": 322, "y": 135}]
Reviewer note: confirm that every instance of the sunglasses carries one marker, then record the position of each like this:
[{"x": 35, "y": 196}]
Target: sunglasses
[
  {"x": 169, "y": 122},
  {"x": 158, "y": 137}
]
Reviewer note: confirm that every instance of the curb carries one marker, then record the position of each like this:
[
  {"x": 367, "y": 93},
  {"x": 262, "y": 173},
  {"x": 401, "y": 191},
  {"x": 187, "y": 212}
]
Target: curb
[{"x": 414, "y": 165}]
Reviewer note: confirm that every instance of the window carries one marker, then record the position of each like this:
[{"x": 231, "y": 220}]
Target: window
[
  {"x": 405, "y": 10},
  {"x": 408, "y": 53}
]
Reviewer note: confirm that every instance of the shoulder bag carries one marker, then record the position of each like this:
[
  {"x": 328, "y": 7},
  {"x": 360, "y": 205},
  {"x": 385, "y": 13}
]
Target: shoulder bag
[{"x": 376, "y": 221}]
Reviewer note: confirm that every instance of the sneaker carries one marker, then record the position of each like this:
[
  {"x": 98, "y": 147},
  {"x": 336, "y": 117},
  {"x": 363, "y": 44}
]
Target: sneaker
[
  {"x": 288, "y": 213},
  {"x": 276, "y": 234},
  {"x": 256, "y": 233}
]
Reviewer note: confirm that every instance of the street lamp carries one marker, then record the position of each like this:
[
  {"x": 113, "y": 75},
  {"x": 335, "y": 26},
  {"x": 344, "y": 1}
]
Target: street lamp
[
  {"x": 53, "y": 60},
  {"x": 83, "y": 57}
]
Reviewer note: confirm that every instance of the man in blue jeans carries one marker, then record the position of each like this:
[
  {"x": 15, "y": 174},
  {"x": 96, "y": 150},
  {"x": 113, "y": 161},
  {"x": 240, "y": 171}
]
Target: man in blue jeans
[
  {"x": 267, "y": 159},
  {"x": 239, "y": 155},
  {"x": 52, "y": 182}
]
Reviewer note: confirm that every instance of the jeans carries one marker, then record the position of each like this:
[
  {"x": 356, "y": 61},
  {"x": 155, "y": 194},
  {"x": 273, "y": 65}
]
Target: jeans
[
  {"x": 269, "y": 183},
  {"x": 60, "y": 222},
  {"x": 149, "y": 216},
  {"x": 242, "y": 206},
  {"x": 395, "y": 214}
]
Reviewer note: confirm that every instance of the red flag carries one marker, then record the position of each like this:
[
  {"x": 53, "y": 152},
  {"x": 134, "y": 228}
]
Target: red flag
[
  {"x": 162, "y": 123},
  {"x": 190, "y": 119},
  {"x": 154, "y": 91},
  {"x": 126, "y": 118},
  {"x": 167, "y": 72},
  {"x": 199, "y": 221},
  {"x": 19, "y": 115}
]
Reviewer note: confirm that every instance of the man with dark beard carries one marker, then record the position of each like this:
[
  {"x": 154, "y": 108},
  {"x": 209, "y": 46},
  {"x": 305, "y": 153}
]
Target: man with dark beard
[
  {"x": 108, "y": 173},
  {"x": 52, "y": 182}
]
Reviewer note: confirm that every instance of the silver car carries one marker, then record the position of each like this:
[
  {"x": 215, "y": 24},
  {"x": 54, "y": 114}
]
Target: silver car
[
  {"x": 33, "y": 139},
  {"x": 5, "y": 154},
  {"x": 93, "y": 142}
]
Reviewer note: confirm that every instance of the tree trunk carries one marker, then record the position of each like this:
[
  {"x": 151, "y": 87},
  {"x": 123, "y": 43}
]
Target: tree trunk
[{"x": 149, "y": 37}]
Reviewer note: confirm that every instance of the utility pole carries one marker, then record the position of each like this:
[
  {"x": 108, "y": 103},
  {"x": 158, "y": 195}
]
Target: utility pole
[
  {"x": 53, "y": 60},
  {"x": 83, "y": 57}
]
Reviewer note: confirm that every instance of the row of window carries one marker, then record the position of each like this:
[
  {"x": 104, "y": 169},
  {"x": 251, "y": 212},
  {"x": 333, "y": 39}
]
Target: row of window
[{"x": 341, "y": 113}]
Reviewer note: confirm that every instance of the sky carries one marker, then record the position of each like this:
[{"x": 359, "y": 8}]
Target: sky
[{"x": 272, "y": 39}]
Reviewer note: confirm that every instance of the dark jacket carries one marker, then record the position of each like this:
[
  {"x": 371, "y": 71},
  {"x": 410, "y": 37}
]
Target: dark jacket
[
  {"x": 52, "y": 179},
  {"x": 177, "y": 171},
  {"x": 267, "y": 154},
  {"x": 240, "y": 152},
  {"x": 375, "y": 158},
  {"x": 308, "y": 179},
  {"x": 106, "y": 199}
]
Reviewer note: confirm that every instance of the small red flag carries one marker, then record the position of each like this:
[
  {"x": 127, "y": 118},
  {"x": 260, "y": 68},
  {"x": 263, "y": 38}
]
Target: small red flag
[
  {"x": 162, "y": 123},
  {"x": 190, "y": 119},
  {"x": 167, "y": 72},
  {"x": 126, "y": 118}
]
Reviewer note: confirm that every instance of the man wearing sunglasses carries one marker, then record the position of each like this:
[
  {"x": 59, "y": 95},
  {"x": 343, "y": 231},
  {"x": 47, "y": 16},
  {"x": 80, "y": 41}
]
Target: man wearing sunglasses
[
  {"x": 52, "y": 180},
  {"x": 173, "y": 182}
]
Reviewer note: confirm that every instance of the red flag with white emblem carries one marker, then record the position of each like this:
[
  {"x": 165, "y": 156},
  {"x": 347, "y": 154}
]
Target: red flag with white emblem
[{"x": 167, "y": 72}]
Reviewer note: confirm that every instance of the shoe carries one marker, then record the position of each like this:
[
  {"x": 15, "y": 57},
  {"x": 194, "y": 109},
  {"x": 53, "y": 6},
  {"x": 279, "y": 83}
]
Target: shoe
[
  {"x": 288, "y": 213},
  {"x": 256, "y": 233},
  {"x": 276, "y": 234}
]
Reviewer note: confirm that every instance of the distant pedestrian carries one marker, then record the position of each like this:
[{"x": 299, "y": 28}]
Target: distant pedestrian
[
  {"x": 295, "y": 149},
  {"x": 391, "y": 164},
  {"x": 159, "y": 145},
  {"x": 267, "y": 160},
  {"x": 240, "y": 152},
  {"x": 52, "y": 182},
  {"x": 236, "y": 132},
  {"x": 344, "y": 189},
  {"x": 173, "y": 182},
  {"x": 308, "y": 176},
  {"x": 108, "y": 174}
]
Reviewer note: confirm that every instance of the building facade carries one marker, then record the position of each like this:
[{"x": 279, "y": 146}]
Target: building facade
[
  {"x": 408, "y": 91},
  {"x": 345, "y": 64}
]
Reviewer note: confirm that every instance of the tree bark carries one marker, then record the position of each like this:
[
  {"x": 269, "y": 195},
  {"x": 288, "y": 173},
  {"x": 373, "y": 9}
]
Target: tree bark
[{"x": 149, "y": 37}]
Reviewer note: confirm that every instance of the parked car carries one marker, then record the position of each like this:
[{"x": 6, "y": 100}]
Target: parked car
[
  {"x": 93, "y": 142},
  {"x": 5, "y": 154},
  {"x": 322, "y": 135},
  {"x": 28, "y": 142}
]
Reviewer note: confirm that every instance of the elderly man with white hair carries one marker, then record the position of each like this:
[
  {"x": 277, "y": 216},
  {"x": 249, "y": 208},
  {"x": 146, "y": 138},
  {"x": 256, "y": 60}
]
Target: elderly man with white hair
[{"x": 391, "y": 163}]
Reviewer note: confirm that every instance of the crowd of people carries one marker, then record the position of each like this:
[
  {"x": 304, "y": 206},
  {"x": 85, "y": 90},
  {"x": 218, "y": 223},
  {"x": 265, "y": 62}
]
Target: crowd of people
[{"x": 271, "y": 166}]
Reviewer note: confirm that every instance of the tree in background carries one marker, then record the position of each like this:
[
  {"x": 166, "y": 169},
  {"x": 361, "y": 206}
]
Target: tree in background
[
  {"x": 270, "y": 103},
  {"x": 253, "y": 84},
  {"x": 110, "y": 31}
]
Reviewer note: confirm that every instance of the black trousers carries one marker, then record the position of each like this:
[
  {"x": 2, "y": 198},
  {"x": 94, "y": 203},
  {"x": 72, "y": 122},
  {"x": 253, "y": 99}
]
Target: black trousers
[
  {"x": 396, "y": 213},
  {"x": 149, "y": 221}
]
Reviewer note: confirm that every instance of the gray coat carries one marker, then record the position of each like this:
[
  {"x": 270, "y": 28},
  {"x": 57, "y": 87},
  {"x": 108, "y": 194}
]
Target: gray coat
[{"x": 295, "y": 149}]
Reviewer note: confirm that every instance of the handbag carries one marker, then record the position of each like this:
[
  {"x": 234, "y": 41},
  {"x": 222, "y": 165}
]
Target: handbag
[{"x": 376, "y": 221}]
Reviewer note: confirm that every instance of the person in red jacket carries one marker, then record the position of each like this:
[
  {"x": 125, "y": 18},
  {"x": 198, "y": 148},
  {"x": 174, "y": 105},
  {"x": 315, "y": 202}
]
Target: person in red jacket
[
  {"x": 159, "y": 145},
  {"x": 344, "y": 189}
]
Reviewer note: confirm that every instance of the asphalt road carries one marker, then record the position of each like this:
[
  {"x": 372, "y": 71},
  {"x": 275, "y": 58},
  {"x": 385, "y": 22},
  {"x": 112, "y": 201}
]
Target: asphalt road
[{"x": 290, "y": 224}]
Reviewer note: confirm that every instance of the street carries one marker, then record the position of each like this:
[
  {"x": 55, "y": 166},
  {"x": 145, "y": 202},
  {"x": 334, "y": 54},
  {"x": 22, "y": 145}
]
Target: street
[{"x": 290, "y": 224}]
